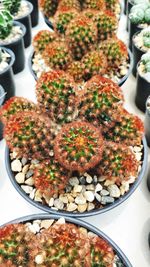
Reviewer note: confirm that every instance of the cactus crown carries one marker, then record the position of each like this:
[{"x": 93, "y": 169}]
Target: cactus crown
[
  {"x": 12, "y": 5},
  {"x": 42, "y": 39},
  {"x": 94, "y": 4},
  {"x": 69, "y": 4},
  {"x": 48, "y": 7},
  {"x": 6, "y": 23}
]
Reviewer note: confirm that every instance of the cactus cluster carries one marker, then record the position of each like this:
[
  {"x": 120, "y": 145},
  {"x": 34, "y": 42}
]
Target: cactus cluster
[
  {"x": 69, "y": 4},
  {"x": 12, "y": 5},
  {"x": 140, "y": 13},
  {"x": 94, "y": 4},
  {"x": 6, "y": 24},
  {"x": 48, "y": 7},
  {"x": 42, "y": 39},
  {"x": 57, "y": 95},
  {"x": 78, "y": 146}
]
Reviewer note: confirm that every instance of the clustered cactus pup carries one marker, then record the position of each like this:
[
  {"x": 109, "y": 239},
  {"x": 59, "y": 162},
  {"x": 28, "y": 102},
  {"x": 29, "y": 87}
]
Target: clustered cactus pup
[
  {"x": 48, "y": 7},
  {"x": 42, "y": 39},
  {"x": 6, "y": 24}
]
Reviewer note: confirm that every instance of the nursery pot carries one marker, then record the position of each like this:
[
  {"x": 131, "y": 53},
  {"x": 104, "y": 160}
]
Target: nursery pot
[
  {"x": 17, "y": 47},
  {"x": 49, "y": 23},
  {"x": 7, "y": 76},
  {"x": 137, "y": 54},
  {"x": 2, "y": 100},
  {"x": 123, "y": 261},
  {"x": 125, "y": 7},
  {"x": 95, "y": 211},
  {"x": 34, "y": 13},
  {"x": 147, "y": 121},
  {"x": 133, "y": 28},
  {"x": 26, "y": 21},
  {"x": 129, "y": 5},
  {"x": 142, "y": 91}
]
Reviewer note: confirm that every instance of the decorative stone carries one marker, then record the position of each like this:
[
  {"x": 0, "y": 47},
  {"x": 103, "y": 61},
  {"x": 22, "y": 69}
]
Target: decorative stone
[
  {"x": 29, "y": 173},
  {"x": 114, "y": 191},
  {"x": 73, "y": 181},
  {"x": 101, "y": 179},
  {"x": 64, "y": 199},
  {"x": 16, "y": 165},
  {"x": 137, "y": 148},
  {"x": 58, "y": 204},
  {"x": 82, "y": 208},
  {"x": 89, "y": 196},
  {"x": 25, "y": 168},
  {"x": 36, "y": 227},
  {"x": 91, "y": 206},
  {"x": 20, "y": 177},
  {"x": 68, "y": 189},
  {"x": 29, "y": 181},
  {"x": 34, "y": 161},
  {"x": 105, "y": 200},
  {"x": 98, "y": 187},
  {"x": 70, "y": 198},
  {"x": 38, "y": 196},
  {"x": 39, "y": 259},
  {"x": 98, "y": 197},
  {"x": 46, "y": 223},
  {"x": 32, "y": 194},
  {"x": 104, "y": 192},
  {"x": 90, "y": 187},
  {"x": 77, "y": 188},
  {"x": 80, "y": 199},
  {"x": 61, "y": 221},
  {"x": 108, "y": 182},
  {"x": 95, "y": 179},
  {"x": 82, "y": 180},
  {"x": 89, "y": 178},
  {"x": 24, "y": 161},
  {"x": 71, "y": 207},
  {"x": 51, "y": 202},
  {"x": 27, "y": 189}
]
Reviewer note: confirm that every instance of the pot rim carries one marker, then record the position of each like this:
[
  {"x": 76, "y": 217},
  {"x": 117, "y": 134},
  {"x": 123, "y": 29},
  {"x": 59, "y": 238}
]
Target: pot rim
[
  {"x": 17, "y": 23},
  {"x": 77, "y": 222},
  {"x": 30, "y": 5},
  {"x": 87, "y": 213},
  {"x": 2, "y": 98},
  {"x": 11, "y": 53}
]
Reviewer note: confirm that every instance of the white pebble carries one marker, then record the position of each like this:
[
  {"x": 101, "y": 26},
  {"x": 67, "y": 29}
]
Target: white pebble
[
  {"x": 77, "y": 188},
  {"x": 27, "y": 189},
  {"x": 16, "y": 166},
  {"x": 20, "y": 177},
  {"x": 46, "y": 223},
  {"x": 32, "y": 194},
  {"x": 89, "y": 196},
  {"x": 39, "y": 259},
  {"x": 114, "y": 190},
  {"x": 80, "y": 199},
  {"x": 30, "y": 181},
  {"x": 71, "y": 207},
  {"x": 98, "y": 187}
]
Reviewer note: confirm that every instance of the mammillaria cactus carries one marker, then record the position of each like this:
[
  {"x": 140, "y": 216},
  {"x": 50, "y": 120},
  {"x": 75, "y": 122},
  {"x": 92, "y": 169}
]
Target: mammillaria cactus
[
  {"x": 129, "y": 129},
  {"x": 13, "y": 106},
  {"x": 6, "y": 23},
  {"x": 115, "y": 51},
  {"x": 12, "y": 5},
  {"x": 81, "y": 35},
  {"x": 111, "y": 5},
  {"x": 78, "y": 146},
  {"x": 75, "y": 69},
  {"x": 29, "y": 135},
  {"x": 42, "y": 39},
  {"x": 50, "y": 177},
  {"x": 63, "y": 17},
  {"x": 69, "y": 4},
  {"x": 117, "y": 158},
  {"x": 48, "y": 7},
  {"x": 15, "y": 245},
  {"x": 57, "y": 95},
  {"x": 94, "y": 4},
  {"x": 57, "y": 55}
]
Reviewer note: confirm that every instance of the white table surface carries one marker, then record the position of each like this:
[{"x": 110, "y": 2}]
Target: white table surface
[{"x": 129, "y": 224}]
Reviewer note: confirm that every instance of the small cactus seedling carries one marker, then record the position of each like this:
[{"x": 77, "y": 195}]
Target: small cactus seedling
[
  {"x": 107, "y": 24},
  {"x": 57, "y": 95},
  {"x": 62, "y": 18},
  {"x": 29, "y": 135},
  {"x": 78, "y": 146},
  {"x": 6, "y": 24},
  {"x": 129, "y": 130},
  {"x": 50, "y": 178},
  {"x": 42, "y": 39},
  {"x": 94, "y": 4},
  {"x": 57, "y": 55},
  {"x": 69, "y": 4},
  {"x": 81, "y": 36},
  {"x": 15, "y": 243},
  {"x": 48, "y": 7},
  {"x": 118, "y": 163},
  {"x": 12, "y": 5},
  {"x": 115, "y": 51},
  {"x": 15, "y": 105}
]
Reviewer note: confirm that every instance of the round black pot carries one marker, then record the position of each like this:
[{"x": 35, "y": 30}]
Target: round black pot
[
  {"x": 120, "y": 83},
  {"x": 35, "y": 12},
  {"x": 26, "y": 21},
  {"x": 78, "y": 223},
  {"x": 84, "y": 214},
  {"x": 2, "y": 100},
  {"x": 48, "y": 22},
  {"x": 142, "y": 92},
  {"x": 147, "y": 123},
  {"x": 18, "y": 48},
  {"x": 137, "y": 54},
  {"x": 7, "y": 76},
  {"x": 133, "y": 28}
]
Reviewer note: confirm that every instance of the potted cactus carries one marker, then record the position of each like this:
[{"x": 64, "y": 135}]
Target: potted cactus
[
  {"x": 11, "y": 36},
  {"x": 143, "y": 82}
]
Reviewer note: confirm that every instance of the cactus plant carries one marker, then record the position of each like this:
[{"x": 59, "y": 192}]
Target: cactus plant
[
  {"x": 94, "y": 4},
  {"x": 78, "y": 146},
  {"x": 140, "y": 13},
  {"x": 145, "y": 61},
  {"x": 42, "y": 39},
  {"x": 12, "y": 5},
  {"x": 15, "y": 243},
  {"x": 117, "y": 158},
  {"x": 81, "y": 36},
  {"x": 15, "y": 105},
  {"x": 57, "y": 95},
  {"x": 129, "y": 130},
  {"x": 62, "y": 18},
  {"x": 50, "y": 177},
  {"x": 69, "y": 4},
  {"x": 111, "y": 5},
  {"x": 57, "y": 55},
  {"x": 29, "y": 135},
  {"x": 115, "y": 51},
  {"x": 48, "y": 7},
  {"x": 146, "y": 37},
  {"x": 75, "y": 69},
  {"x": 6, "y": 24}
]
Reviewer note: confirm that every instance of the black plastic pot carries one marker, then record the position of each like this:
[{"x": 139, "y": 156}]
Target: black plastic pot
[
  {"x": 2, "y": 100},
  {"x": 133, "y": 28},
  {"x": 35, "y": 12},
  {"x": 120, "y": 83},
  {"x": 142, "y": 91},
  {"x": 125, "y": 7},
  {"x": 137, "y": 54},
  {"x": 26, "y": 21},
  {"x": 129, "y": 5},
  {"x": 78, "y": 223},
  {"x": 17, "y": 47},
  {"x": 7, "y": 76},
  {"x": 147, "y": 122},
  {"x": 48, "y": 22},
  {"x": 84, "y": 214}
]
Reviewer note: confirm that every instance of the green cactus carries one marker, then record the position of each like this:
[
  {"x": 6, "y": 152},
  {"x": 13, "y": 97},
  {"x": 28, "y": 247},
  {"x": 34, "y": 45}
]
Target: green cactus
[
  {"x": 140, "y": 13},
  {"x": 48, "y": 7},
  {"x": 12, "y": 5},
  {"x": 42, "y": 39},
  {"x": 69, "y": 4},
  {"x": 6, "y": 24},
  {"x": 94, "y": 4}
]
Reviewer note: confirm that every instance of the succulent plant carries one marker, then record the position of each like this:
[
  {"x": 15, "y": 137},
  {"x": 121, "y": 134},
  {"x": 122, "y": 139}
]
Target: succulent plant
[
  {"x": 128, "y": 130},
  {"x": 75, "y": 69},
  {"x": 50, "y": 177},
  {"x": 111, "y": 5},
  {"x": 57, "y": 55},
  {"x": 57, "y": 95},
  {"x": 63, "y": 17},
  {"x": 15, "y": 245},
  {"x": 6, "y": 23},
  {"x": 140, "y": 13},
  {"x": 42, "y": 39},
  {"x": 94, "y": 4},
  {"x": 15, "y": 105},
  {"x": 107, "y": 24},
  {"x": 48, "y": 7},
  {"x": 69, "y": 4},
  {"x": 29, "y": 135},
  {"x": 78, "y": 146},
  {"x": 146, "y": 37},
  {"x": 81, "y": 36},
  {"x": 115, "y": 51},
  {"x": 115, "y": 160},
  {"x": 145, "y": 60},
  {"x": 12, "y": 5}
]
